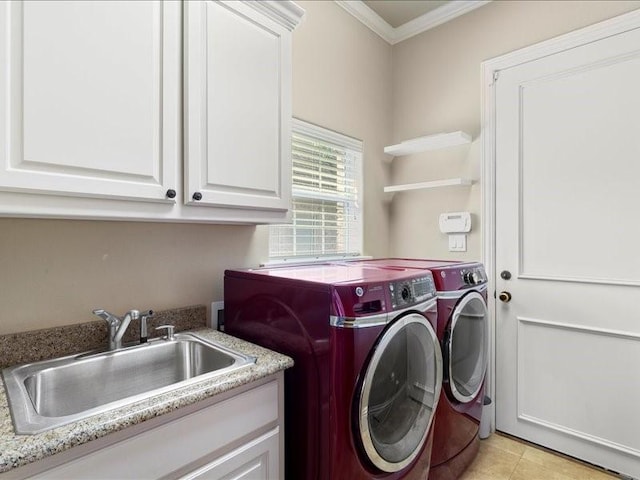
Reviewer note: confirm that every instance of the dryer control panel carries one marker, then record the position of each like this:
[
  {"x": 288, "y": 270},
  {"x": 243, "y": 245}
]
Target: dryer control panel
[
  {"x": 474, "y": 275},
  {"x": 405, "y": 293}
]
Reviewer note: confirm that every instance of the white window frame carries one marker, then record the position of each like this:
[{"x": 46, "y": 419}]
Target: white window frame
[{"x": 329, "y": 136}]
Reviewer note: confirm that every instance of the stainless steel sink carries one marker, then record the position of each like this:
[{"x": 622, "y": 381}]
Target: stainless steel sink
[{"x": 51, "y": 393}]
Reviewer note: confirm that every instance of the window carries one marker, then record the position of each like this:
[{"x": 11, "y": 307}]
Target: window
[{"x": 327, "y": 212}]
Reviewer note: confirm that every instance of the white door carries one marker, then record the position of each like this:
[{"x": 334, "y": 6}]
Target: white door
[
  {"x": 237, "y": 107},
  {"x": 568, "y": 230},
  {"x": 89, "y": 95}
]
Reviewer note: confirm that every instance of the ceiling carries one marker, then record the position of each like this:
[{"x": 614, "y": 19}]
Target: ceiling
[{"x": 399, "y": 12}]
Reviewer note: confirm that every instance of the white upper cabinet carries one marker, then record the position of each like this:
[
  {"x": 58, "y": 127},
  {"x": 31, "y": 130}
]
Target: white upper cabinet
[
  {"x": 91, "y": 91},
  {"x": 146, "y": 110},
  {"x": 238, "y": 105}
]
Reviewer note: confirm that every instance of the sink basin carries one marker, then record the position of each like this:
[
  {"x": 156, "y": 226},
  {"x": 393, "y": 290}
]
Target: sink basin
[{"x": 51, "y": 393}]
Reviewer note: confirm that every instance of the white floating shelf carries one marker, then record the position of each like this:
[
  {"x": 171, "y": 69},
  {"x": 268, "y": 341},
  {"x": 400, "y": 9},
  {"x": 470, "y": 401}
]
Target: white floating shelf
[
  {"x": 430, "y": 142},
  {"x": 449, "y": 182}
]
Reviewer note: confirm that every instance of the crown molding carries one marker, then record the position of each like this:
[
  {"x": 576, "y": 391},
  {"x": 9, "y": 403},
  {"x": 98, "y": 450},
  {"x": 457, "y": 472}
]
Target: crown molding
[
  {"x": 370, "y": 18},
  {"x": 286, "y": 13},
  {"x": 429, "y": 20},
  {"x": 436, "y": 17}
]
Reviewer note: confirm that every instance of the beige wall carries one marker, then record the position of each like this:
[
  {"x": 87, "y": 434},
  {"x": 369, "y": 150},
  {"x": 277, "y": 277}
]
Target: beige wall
[
  {"x": 54, "y": 272},
  {"x": 342, "y": 81},
  {"x": 436, "y": 88}
]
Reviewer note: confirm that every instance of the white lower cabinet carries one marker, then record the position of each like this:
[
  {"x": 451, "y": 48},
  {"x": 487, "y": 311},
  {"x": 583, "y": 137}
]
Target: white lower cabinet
[
  {"x": 238, "y": 438},
  {"x": 256, "y": 460}
]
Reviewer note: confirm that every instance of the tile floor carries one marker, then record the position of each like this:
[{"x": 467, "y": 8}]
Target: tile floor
[{"x": 504, "y": 458}]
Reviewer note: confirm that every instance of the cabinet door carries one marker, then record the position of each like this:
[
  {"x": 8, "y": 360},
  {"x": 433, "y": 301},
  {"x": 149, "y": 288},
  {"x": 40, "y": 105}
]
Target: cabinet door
[
  {"x": 237, "y": 107},
  {"x": 187, "y": 443},
  {"x": 91, "y": 91},
  {"x": 256, "y": 460}
]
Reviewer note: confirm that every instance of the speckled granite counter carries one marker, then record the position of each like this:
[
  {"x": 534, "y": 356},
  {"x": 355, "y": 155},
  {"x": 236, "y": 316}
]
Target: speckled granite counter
[{"x": 18, "y": 450}]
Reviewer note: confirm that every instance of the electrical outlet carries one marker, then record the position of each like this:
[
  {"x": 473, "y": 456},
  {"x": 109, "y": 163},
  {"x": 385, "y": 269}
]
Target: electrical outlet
[{"x": 217, "y": 316}]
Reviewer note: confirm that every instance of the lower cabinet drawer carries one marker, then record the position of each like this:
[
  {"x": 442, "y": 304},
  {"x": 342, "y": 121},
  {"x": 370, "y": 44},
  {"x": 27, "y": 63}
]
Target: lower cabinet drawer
[
  {"x": 256, "y": 460},
  {"x": 170, "y": 447}
]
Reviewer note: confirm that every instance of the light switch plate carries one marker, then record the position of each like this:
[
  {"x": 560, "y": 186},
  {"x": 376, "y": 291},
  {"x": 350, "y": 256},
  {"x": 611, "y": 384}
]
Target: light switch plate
[{"x": 458, "y": 243}]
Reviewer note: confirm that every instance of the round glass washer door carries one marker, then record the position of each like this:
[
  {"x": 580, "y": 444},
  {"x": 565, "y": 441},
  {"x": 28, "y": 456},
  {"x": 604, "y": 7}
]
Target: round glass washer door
[
  {"x": 466, "y": 347},
  {"x": 399, "y": 393}
]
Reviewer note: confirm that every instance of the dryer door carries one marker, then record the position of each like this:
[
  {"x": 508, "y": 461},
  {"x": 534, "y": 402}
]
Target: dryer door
[
  {"x": 399, "y": 393},
  {"x": 466, "y": 347}
]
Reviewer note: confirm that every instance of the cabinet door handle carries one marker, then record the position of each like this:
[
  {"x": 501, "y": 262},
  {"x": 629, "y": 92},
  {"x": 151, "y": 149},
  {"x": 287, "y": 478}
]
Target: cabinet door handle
[
  {"x": 171, "y": 193},
  {"x": 197, "y": 196}
]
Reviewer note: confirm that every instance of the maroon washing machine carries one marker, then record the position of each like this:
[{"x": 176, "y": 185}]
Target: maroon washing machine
[
  {"x": 361, "y": 398},
  {"x": 463, "y": 327}
]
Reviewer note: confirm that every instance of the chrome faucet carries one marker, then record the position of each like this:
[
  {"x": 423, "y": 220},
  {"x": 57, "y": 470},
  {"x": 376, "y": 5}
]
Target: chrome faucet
[{"x": 117, "y": 326}]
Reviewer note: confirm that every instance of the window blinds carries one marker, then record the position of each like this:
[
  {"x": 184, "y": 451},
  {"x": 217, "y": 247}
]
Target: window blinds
[{"x": 327, "y": 216}]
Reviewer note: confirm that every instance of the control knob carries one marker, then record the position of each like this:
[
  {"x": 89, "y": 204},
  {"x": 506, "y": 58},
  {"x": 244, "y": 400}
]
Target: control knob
[
  {"x": 471, "y": 278},
  {"x": 405, "y": 293}
]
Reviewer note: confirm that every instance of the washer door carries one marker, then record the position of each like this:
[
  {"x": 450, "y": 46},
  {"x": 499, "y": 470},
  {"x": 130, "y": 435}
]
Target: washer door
[
  {"x": 466, "y": 347},
  {"x": 399, "y": 393}
]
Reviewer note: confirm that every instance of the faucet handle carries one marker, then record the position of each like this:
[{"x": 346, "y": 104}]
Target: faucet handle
[
  {"x": 169, "y": 329},
  {"x": 110, "y": 318}
]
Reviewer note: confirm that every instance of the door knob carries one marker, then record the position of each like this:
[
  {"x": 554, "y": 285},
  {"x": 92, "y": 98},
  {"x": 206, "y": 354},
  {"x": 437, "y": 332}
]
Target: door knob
[{"x": 504, "y": 297}]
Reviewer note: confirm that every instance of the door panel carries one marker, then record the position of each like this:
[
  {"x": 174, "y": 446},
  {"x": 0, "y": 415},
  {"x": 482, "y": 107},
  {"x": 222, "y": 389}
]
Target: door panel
[
  {"x": 574, "y": 405},
  {"x": 238, "y": 134},
  {"x": 257, "y": 460},
  {"x": 567, "y": 149},
  {"x": 91, "y": 95},
  {"x": 577, "y": 129}
]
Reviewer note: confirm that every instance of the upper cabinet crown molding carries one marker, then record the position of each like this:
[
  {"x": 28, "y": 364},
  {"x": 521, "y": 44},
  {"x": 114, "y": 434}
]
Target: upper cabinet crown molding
[{"x": 287, "y": 13}]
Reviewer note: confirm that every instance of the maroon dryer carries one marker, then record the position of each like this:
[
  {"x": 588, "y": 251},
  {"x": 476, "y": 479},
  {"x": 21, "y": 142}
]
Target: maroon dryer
[
  {"x": 463, "y": 324},
  {"x": 361, "y": 397}
]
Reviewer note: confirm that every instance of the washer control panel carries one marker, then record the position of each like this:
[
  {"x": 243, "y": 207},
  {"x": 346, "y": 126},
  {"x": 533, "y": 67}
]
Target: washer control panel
[
  {"x": 474, "y": 275},
  {"x": 405, "y": 293}
]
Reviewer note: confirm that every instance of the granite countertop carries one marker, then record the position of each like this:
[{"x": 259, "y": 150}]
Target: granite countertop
[{"x": 18, "y": 450}]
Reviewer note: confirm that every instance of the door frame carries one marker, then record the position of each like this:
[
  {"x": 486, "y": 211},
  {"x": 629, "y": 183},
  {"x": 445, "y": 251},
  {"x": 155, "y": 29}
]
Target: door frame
[{"x": 490, "y": 72}]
